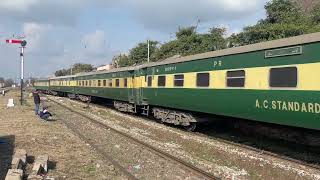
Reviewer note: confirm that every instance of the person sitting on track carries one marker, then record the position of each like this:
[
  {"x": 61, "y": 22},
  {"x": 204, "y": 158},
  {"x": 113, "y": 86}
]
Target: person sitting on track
[{"x": 45, "y": 114}]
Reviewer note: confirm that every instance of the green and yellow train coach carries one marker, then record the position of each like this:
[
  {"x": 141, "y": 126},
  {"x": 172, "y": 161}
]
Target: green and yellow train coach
[
  {"x": 42, "y": 84},
  {"x": 275, "y": 82}
]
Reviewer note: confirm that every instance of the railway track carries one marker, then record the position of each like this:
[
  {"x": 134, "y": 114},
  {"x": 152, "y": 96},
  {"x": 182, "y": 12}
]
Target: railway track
[
  {"x": 274, "y": 155},
  {"x": 259, "y": 151},
  {"x": 155, "y": 150}
]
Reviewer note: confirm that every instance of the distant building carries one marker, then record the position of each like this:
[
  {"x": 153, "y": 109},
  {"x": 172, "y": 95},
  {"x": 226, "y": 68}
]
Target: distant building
[{"x": 104, "y": 68}]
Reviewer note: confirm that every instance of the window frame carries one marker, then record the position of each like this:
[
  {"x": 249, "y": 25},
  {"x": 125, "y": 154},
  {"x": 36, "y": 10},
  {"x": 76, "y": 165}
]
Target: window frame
[
  {"x": 117, "y": 83},
  {"x": 149, "y": 85},
  {"x": 297, "y": 79},
  {"x": 197, "y": 79},
  {"x": 165, "y": 80},
  {"x": 125, "y": 82},
  {"x": 104, "y": 83},
  {"x": 175, "y": 79},
  {"x": 237, "y": 77}
]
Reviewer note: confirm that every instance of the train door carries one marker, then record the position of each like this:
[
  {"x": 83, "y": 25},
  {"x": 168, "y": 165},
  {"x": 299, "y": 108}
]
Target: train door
[
  {"x": 138, "y": 81},
  {"x": 132, "y": 91},
  {"x": 143, "y": 84}
]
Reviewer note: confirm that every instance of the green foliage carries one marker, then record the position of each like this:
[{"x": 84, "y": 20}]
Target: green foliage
[
  {"x": 79, "y": 68},
  {"x": 315, "y": 14},
  {"x": 121, "y": 60},
  {"x": 76, "y": 68},
  {"x": 185, "y": 32},
  {"x": 285, "y": 18},
  {"x": 283, "y": 11},
  {"x": 139, "y": 54},
  {"x": 268, "y": 32}
]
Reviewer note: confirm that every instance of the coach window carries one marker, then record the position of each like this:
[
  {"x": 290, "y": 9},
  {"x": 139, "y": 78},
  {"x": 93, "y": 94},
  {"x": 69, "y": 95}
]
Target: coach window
[
  {"x": 104, "y": 83},
  {"x": 82, "y": 83},
  {"x": 125, "y": 82},
  {"x": 117, "y": 82},
  {"x": 162, "y": 81},
  {"x": 236, "y": 78},
  {"x": 110, "y": 82},
  {"x": 149, "y": 81},
  {"x": 203, "y": 79},
  {"x": 285, "y": 77},
  {"x": 99, "y": 83},
  {"x": 179, "y": 80}
]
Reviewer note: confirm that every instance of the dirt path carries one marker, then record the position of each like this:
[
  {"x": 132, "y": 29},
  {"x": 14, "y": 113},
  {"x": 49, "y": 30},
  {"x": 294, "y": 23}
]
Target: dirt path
[{"x": 70, "y": 157}]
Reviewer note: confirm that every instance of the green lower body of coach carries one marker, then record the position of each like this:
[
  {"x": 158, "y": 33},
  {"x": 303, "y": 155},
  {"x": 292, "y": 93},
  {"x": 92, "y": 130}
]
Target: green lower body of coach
[{"x": 292, "y": 108}]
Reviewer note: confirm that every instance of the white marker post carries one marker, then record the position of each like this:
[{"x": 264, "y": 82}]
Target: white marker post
[{"x": 23, "y": 44}]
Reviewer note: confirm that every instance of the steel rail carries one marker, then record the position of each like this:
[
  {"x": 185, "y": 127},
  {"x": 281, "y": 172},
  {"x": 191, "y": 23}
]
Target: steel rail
[{"x": 159, "y": 152}]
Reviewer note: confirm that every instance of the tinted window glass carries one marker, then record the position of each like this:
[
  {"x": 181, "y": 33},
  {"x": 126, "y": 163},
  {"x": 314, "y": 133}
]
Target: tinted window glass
[
  {"x": 236, "y": 78},
  {"x": 149, "y": 81},
  {"x": 125, "y": 82},
  {"x": 162, "y": 81},
  {"x": 117, "y": 82},
  {"x": 110, "y": 82},
  {"x": 203, "y": 79},
  {"x": 283, "y": 77},
  {"x": 104, "y": 83},
  {"x": 179, "y": 80},
  {"x": 99, "y": 82}
]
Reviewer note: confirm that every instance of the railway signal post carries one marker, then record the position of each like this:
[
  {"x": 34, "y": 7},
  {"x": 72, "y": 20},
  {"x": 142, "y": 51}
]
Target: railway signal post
[{"x": 23, "y": 44}]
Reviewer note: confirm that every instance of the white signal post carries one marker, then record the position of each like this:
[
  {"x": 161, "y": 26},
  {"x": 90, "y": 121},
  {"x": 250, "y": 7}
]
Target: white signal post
[{"x": 23, "y": 43}]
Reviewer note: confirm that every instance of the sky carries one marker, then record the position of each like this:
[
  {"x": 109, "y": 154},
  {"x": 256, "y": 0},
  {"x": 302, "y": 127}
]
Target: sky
[{"x": 63, "y": 32}]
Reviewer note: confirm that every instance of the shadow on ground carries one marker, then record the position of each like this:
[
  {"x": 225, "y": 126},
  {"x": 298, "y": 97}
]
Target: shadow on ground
[{"x": 6, "y": 153}]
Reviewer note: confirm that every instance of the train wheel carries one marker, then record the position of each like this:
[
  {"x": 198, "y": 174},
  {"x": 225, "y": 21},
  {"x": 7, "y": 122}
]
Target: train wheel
[{"x": 191, "y": 127}]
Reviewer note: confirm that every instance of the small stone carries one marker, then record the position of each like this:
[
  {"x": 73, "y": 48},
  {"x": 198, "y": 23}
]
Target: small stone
[
  {"x": 117, "y": 146},
  {"x": 111, "y": 168},
  {"x": 137, "y": 167},
  {"x": 98, "y": 165},
  {"x": 14, "y": 174}
]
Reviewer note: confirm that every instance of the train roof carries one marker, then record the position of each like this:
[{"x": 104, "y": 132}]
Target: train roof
[{"x": 297, "y": 40}]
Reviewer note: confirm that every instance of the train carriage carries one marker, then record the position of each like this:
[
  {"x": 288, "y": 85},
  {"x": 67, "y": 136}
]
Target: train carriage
[
  {"x": 42, "y": 84},
  {"x": 274, "y": 82},
  {"x": 62, "y": 85}
]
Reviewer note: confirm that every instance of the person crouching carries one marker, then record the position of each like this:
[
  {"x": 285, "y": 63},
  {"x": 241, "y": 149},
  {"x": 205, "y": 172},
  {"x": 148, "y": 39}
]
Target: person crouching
[{"x": 45, "y": 114}]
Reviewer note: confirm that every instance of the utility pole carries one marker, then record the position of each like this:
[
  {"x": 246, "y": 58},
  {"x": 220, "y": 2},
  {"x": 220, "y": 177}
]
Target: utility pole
[
  {"x": 23, "y": 44},
  {"x": 148, "y": 50}
]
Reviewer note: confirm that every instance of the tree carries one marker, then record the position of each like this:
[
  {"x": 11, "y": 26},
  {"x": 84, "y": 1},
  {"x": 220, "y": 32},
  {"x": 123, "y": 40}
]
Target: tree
[
  {"x": 185, "y": 32},
  {"x": 283, "y": 11},
  {"x": 315, "y": 14},
  {"x": 76, "y": 68},
  {"x": 79, "y": 67},
  {"x": 121, "y": 60},
  {"x": 285, "y": 18},
  {"x": 61, "y": 72},
  {"x": 139, "y": 54}
]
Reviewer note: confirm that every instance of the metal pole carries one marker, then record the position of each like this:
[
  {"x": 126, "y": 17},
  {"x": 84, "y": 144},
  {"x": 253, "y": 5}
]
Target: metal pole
[
  {"x": 148, "y": 51},
  {"x": 22, "y": 73}
]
